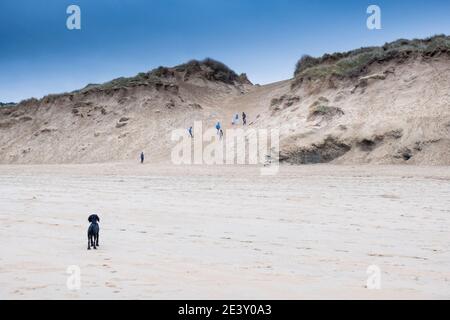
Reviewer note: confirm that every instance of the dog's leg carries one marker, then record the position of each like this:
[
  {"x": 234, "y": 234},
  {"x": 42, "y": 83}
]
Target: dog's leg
[
  {"x": 96, "y": 239},
  {"x": 89, "y": 242},
  {"x": 93, "y": 242}
]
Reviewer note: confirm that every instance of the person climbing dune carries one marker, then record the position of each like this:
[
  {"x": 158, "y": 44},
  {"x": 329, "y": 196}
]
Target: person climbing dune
[
  {"x": 218, "y": 127},
  {"x": 235, "y": 119}
]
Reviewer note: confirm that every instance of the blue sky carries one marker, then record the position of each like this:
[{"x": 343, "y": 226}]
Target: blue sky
[{"x": 39, "y": 55}]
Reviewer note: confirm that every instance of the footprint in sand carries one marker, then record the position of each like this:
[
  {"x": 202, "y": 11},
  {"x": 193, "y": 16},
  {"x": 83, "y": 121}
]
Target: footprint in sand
[
  {"x": 277, "y": 244},
  {"x": 110, "y": 285}
]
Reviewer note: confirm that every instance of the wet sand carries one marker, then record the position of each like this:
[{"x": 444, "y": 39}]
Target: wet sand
[{"x": 225, "y": 232}]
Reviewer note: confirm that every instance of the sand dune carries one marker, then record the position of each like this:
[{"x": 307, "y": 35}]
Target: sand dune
[{"x": 392, "y": 109}]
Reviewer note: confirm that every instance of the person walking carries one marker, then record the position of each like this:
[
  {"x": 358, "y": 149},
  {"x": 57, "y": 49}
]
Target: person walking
[
  {"x": 244, "y": 118},
  {"x": 218, "y": 127},
  {"x": 190, "y": 132},
  {"x": 142, "y": 157},
  {"x": 235, "y": 119}
]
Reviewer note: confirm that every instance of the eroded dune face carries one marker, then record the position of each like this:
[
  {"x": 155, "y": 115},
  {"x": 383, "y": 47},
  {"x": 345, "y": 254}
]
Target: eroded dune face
[
  {"x": 399, "y": 113},
  {"x": 395, "y": 110},
  {"x": 117, "y": 120}
]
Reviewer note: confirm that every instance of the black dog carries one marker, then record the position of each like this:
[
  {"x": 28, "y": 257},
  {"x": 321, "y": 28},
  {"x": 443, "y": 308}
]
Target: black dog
[{"x": 93, "y": 231}]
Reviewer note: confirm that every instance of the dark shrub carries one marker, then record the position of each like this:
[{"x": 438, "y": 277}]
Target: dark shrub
[{"x": 306, "y": 61}]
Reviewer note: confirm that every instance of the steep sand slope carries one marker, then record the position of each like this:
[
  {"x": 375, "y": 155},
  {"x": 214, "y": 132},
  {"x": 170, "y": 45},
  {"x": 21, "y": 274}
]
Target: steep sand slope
[
  {"x": 400, "y": 115},
  {"x": 111, "y": 122}
]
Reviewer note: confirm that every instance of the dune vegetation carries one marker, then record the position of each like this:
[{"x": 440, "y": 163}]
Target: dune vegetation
[{"x": 354, "y": 63}]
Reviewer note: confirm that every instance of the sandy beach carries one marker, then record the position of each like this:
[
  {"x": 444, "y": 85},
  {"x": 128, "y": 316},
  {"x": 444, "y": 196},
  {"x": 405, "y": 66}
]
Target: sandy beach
[{"x": 170, "y": 232}]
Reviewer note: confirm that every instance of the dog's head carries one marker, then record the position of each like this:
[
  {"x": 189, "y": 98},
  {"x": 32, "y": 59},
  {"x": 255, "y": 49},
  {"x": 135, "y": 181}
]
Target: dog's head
[{"x": 93, "y": 218}]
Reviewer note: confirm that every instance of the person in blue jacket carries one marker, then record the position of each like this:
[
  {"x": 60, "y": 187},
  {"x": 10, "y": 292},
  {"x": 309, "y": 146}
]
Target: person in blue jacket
[{"x": 218, "y": 127}]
